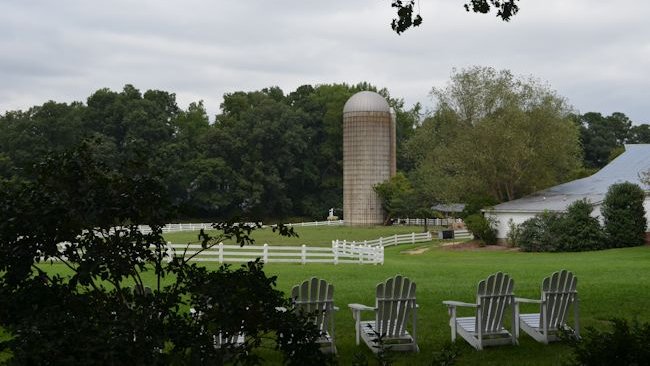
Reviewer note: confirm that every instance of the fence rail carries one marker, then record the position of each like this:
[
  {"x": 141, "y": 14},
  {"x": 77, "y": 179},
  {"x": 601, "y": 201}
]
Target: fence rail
[
  {"x": 222, "y": 253},
  {"x": 430, "y": 222},
  {"x": 390, "y": 240},
  {"x": 172, "y": 228},
  {"x": 318, "y": 223}
]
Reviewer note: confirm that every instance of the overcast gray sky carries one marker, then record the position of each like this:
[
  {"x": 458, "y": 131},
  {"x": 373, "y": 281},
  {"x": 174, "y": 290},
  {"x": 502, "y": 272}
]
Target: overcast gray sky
[{"x": 596, "y": 53}]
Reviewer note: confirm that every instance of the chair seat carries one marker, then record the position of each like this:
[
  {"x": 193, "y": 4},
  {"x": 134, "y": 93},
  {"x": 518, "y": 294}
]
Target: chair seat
[
  {"x": 401, "y": 343},
  {"x": 530, "y": 324},
  {"x": 469, "y": 325},
  {"x": 532, "y": 320},
  {"x": 220, "y": 340}
]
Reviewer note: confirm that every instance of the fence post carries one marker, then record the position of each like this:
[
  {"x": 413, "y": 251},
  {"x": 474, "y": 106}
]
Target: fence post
[
  {"x": 381, "y": 255},
  {"x": 381, "y": 241},
  {"x": 266, "y": 253},
  {"x": 335, "y": 251},
  {"x": 304, "y": 254},
  {"x": 413, "y": 238},
  {"x": 359, "y": 252},
  {"x": 395, "y": 239}
]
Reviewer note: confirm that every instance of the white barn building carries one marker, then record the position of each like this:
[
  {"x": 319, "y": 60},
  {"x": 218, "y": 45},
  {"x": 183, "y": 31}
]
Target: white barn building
[{"x": 627, "y": 167}]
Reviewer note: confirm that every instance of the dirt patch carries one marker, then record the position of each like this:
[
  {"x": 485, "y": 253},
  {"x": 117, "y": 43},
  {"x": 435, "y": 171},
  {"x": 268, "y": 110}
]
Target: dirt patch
[
  {"x": 475, "y": 245},
  {"x": 415, "y": 251}
]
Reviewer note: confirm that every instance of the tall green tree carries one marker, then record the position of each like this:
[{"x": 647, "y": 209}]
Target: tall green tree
[
  {"x": 397, "y": 197},
  {"x": 494, "y": 134},
  {"x": 602, "y": 137}
]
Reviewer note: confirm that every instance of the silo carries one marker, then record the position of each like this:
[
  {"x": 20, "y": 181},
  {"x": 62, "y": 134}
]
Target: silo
[{"x": 368, "y": 156}]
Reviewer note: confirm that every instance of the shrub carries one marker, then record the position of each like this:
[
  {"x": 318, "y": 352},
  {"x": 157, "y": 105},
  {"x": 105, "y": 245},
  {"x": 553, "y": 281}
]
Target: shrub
[
  {"x": 514, "y": 234},
  {"x": 579, "y": 230},
  {"x": 573, "y": 231},
  {"x": 624, "y": 215},
  {"x": 624, "y": 344},
  {"x": 482, "y": 228},
  {"x": 539, "y": 233}
]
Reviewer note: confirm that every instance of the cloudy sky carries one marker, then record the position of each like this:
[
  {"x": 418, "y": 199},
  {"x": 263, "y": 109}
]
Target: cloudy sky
[{"x": 596, "y": 53}]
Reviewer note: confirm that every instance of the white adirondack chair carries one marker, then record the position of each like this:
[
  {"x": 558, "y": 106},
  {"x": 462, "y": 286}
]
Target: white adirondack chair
[
  {"x": 486, "y": 328},
  {"x": 315, "y": 297},
  {"x": 558, "y": 294},
  {"x": 222, "y": 339},
  {"x": 394, "y": 305}
]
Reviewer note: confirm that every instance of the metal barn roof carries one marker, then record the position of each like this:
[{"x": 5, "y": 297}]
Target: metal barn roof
[{"x": 625, "y": 168}]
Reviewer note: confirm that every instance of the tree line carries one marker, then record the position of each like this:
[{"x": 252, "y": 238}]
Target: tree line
[{"x": 268, "y": 154}]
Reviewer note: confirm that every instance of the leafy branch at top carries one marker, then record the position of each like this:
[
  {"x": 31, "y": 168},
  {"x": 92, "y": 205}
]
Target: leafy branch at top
[{"x": 407, "y": 18}]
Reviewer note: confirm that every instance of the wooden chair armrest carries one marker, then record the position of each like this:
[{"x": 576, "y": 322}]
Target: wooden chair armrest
[
  {"x": 528, "y": 301},
  {"x": 360, "y": 307},
  {"x": 459, "y": 303}
]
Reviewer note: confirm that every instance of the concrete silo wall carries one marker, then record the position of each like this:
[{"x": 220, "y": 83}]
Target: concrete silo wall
[{"x": 367, "y": 160}]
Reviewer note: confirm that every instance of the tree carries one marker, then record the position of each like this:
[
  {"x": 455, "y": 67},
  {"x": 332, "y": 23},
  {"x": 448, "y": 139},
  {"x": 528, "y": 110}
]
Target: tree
[
  {"x": 407, "y": 18},
  {"x": 639, "y": 134},
  {"x": 397, "y": 197},
  {"x": 493, "y": 134},
  {"x": 603, "y": 137},
  {"x": 624, "y": 215},
  {"x": 84, "y": 214}
]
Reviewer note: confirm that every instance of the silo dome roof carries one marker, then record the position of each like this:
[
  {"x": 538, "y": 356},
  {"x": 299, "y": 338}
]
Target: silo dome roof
[{"x": 366, "y": 101}]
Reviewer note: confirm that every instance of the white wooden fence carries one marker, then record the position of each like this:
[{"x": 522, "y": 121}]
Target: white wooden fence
[
  {"x": 430, "y": 222},
  {"x": 388, "y": 241},
  {"x": 340, "y": 253},
  {"x": 318, "y": 223},
  {"x": 171, "y": 228}
]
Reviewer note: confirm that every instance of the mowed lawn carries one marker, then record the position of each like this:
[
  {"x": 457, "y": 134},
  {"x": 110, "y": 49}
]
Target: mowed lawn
[
  {"x": 610, "y": 283},
  {"x": 321, "y": 236}
]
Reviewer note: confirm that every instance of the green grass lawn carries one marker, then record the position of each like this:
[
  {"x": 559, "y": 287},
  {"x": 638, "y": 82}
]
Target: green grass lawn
[
  {"x": 610, "y": 283},
  {"x": 312, "y": 236}
]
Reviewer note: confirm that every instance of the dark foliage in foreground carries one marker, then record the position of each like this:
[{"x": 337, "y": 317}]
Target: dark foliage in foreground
[
  {"x": 91, "y": 315},
  {"x": 624, "y": 343}
]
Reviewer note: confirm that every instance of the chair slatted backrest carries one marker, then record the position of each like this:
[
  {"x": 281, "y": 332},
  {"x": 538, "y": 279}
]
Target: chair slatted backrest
[
  {"x": 494, "y": 294},
  {"x": 559, "y": 291},
  {"x": 315, "y": 296},
  {"x": 395, "y": 301}
]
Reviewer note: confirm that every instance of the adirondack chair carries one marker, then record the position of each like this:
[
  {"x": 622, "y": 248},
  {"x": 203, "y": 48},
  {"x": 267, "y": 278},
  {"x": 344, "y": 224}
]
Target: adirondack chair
[
  {"x": 222, "y": 339},
  {"x": 394, "y": 304},
  {"x": 558, "y": 294},
  {"x": 486, "y": 327},
  {"x": 315, "y": 297}
]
